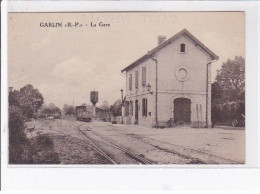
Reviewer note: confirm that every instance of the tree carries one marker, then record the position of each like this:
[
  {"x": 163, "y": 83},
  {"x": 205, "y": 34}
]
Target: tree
[
  {"x": 23, "y": 104},
  {"x": 230, "y": 81},
  {"x": 27, "y": 98},
  {"x": 116, "y": 108},
  {"x": 52, "y": 106},
  {"x": 48, "y": 110},
  {"x": 18, "y": 142},
  {"x": 68, "y": 109},
  {"x": 30, "y": 98},
  {"x": 228, "y": 91},
  {"x": 105, "y": 105},
  {"x": 13, "y": 97},
  {"x": 65, "y": 108}
]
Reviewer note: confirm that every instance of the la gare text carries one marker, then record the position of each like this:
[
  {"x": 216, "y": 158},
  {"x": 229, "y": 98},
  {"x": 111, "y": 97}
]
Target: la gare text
[{"x": 73, "y": 24}]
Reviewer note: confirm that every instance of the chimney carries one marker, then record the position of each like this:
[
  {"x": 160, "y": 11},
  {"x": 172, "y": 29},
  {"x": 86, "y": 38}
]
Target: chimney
[{"x": 161, "y": 39}]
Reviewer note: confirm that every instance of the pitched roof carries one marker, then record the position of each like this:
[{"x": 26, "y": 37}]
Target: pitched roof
[{"x": 170, "y": 40}]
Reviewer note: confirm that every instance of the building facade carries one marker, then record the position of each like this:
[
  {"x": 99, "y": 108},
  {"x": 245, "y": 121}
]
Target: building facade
[
  {"x": 171, "y": 84},
  {"x": 84, "y": 111}
]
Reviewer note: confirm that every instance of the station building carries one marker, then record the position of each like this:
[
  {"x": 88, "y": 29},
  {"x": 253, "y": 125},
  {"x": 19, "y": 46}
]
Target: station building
[{"x": 171, "y": 84}]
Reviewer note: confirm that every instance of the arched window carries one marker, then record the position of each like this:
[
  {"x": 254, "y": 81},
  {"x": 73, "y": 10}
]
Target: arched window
[{"x": 183, "y": 48}]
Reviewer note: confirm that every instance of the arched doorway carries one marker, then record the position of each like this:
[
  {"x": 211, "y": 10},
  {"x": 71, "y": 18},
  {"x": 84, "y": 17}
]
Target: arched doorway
[{"x": 182, "y": 110}]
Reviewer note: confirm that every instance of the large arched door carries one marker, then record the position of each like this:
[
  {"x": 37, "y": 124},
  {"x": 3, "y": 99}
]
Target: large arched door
[{"x": 182, "y": 110}]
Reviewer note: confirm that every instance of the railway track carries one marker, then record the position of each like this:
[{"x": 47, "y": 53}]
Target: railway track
[
  {"x": 97, "y": 149},
  {"x": 186, "y": 148},
  {"x": 94, "y": 147},
  {"x": 181, "y": 150},
  {"x": 140, "y": 159}
]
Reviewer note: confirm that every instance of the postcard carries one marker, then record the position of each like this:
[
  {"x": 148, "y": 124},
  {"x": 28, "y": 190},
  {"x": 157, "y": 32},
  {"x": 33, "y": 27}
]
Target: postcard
[{"x": 128, "y": 88}]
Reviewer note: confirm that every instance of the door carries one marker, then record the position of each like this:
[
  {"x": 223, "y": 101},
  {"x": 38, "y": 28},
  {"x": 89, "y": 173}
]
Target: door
[
  {"x": 136, "y": 112},
  {"x": 182, "y": 110}
]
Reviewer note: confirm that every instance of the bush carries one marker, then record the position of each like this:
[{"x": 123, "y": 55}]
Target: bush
[
  {"x": 228, "y": 112},
  {"x": 44, "y": 152},
  {"x": 22, "y": 150},
  {"x": 44, "y": 142},
  {"x": 28, "y": 111},
  {"x": 18, "y": 143},
  {"x": 46, "y": 158}
]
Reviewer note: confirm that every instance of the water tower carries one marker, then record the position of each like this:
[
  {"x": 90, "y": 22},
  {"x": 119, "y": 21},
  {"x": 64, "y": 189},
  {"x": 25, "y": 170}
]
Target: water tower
[{"x": 94, "y": 100}]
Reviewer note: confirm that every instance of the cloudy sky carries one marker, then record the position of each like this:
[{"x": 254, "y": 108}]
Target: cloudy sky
[{"x": 67, "y": 63}]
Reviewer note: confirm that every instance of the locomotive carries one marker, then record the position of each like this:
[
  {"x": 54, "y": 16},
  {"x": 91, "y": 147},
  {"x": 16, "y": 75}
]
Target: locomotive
[{"x": 82, "y": 114}]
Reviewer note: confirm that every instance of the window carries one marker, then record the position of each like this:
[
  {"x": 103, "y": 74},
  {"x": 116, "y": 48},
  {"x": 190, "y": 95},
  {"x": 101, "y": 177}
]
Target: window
[
  {"x": 126, "y": 108},
  {"x": 131, "y": 107},
  {"x": 144, "y": 76},
  {"x": 136, "y": 79},
  {"x": 144, "y": 107},
  {"x": 130, "y": 81},
  {"x": 182, "y": 48}
]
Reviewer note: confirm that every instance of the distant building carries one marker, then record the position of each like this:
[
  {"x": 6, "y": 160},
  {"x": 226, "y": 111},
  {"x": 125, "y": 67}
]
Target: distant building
[
  {"x": 171, "y": 84},
  {"x": 56, "y": 113},
  {"x": 102, "y": 114},
  {"x": 87, "y": 111}
]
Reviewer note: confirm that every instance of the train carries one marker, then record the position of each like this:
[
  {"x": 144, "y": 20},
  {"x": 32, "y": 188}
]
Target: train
[{"x": 82, "y": 114}]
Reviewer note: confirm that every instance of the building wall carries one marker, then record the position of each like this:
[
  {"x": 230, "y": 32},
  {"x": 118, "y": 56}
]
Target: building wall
[
  {"x": 101, "y": 114},
  {"x": 169, "y": 58},
  {"x": 150, "y": 78},
  {"x": 141, "y": 92},
  {"x": 166, "y": 107},
  {"x": 195, "y": 60},
  {"x": 150, "y": 118}
]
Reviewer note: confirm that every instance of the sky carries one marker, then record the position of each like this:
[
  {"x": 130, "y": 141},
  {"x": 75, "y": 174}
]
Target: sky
[{"x": 65, "y": 64}]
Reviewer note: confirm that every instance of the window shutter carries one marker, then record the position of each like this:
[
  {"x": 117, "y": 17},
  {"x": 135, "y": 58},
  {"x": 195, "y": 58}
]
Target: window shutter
[
  {"x": 143, "y": 107},
  {"x": 136, "y": 79},
  {"x": 144, "y": 76},
  {"x": 130, "y": 81},
  {"x": 131, "y": 108},
  {"x": 146, "y": 107}
]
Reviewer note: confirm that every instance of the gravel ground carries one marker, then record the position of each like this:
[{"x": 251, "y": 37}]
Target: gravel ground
[
  {"x": 223, "y": 142},
  {"x": 71, "y": 147},
  {"x": 137, "y": 145},
  {"x": 161, "y": 146}
]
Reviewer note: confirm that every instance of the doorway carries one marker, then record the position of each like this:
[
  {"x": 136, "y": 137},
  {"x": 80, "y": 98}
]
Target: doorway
[
  {"x": 136, "y": 112},
  {"x": 182, "y": 111}
]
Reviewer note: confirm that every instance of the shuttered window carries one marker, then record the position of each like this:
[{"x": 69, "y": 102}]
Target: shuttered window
[
  {"x": 130, "y": 81},
  {"x": 144, "y": 107},
  {"x": 136, "y": 79},
  {"x": 144, "y": 76},
  {"x": 131, "y": 108},
  {"x": 127, "y": 108}
]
